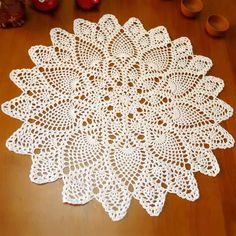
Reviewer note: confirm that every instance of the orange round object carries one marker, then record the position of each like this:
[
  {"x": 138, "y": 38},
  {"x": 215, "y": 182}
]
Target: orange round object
[
  {"x": 217, "y": 25},
  {"x": 191, "y": 8}
]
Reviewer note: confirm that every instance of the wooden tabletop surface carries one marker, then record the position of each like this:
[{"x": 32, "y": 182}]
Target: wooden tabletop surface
[{"x": 27, "y": 209}]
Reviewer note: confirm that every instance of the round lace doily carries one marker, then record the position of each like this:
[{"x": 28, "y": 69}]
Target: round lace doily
[{"x": 118, "y": 112}]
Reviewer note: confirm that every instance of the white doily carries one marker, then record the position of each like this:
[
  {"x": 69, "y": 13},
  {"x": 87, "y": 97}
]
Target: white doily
[{"x": 118, "y": 112}]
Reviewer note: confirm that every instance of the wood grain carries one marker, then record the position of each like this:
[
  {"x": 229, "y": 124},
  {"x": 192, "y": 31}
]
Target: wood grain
[{"x": 27, "y": 209}]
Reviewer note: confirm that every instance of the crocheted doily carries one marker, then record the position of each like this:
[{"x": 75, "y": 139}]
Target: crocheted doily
[{"x": 118, "y": 112}]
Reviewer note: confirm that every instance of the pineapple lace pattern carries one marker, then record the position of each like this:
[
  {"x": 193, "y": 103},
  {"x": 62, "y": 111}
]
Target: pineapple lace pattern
[{"x": 117, "y": 112}]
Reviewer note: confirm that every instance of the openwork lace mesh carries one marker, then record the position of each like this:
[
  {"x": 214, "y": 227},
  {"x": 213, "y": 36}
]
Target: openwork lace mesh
[{"x": 118, "y": 112}]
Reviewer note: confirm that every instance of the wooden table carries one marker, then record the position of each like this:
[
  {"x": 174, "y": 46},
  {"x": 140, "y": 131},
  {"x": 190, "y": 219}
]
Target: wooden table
[{"x": 27, "y": 209}]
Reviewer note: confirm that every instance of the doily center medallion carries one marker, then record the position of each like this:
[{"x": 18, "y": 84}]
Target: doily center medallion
[{"x": 118, "y": 112}]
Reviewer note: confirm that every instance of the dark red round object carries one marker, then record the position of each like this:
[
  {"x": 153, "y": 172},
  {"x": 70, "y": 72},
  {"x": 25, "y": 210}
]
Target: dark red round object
[
  {"x": 45, "y": 5},
  {"x": 87, "y": 4},
  {"x": 12, "y": 13}
]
